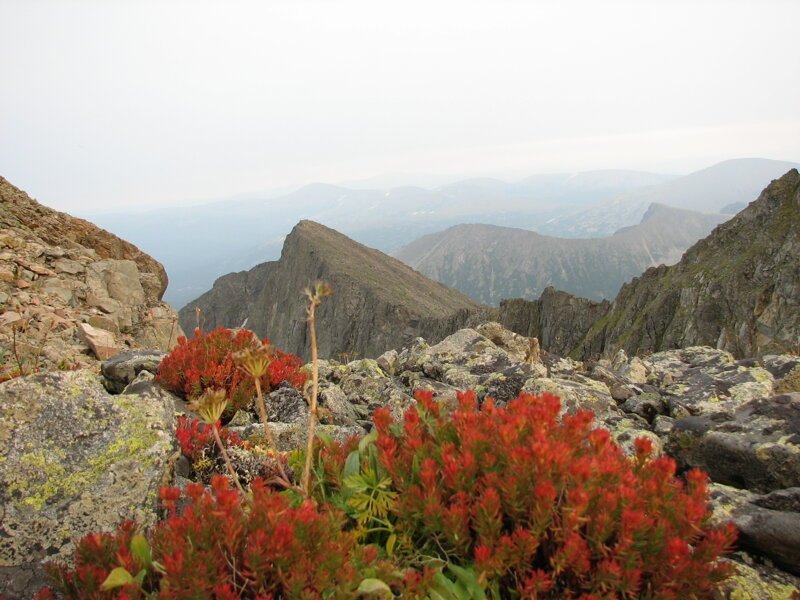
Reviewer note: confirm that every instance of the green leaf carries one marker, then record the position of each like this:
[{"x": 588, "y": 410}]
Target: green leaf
[
  {"x": 139, "y": 579},
  {"x": 467, "y": 581},
  {"x": 368, "y": 439},
  {"x": 117, "y": 578},
  {"x": 141, "y": 550},
  {"x": 390, "y": 544},
  {"x": 376, "y": 587},
  {"x": 324, "y": 437},
  {"x": 352, "y": 465}
]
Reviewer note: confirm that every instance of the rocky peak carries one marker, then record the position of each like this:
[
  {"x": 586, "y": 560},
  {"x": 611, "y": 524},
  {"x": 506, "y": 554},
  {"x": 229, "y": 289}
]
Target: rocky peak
[
  {"x": 71, "y": 292},
  {"x": 378, "y": 302}
]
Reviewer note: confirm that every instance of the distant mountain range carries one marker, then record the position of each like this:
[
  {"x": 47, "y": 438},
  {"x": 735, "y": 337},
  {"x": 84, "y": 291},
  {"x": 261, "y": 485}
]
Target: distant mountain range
[
  {"x": 722, "y": 188},
  {"x": 489, "y": 263},
  {"x": 736, "y": 289},
  {"x": 198, "y": 244}
]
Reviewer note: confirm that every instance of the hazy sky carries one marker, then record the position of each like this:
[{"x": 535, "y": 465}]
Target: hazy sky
[{"x": 108, "y": 104}]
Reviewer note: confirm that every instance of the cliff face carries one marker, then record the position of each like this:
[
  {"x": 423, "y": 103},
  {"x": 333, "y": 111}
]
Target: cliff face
[
  {"x": 557, "y": 318},
  {"x": 378, "y": 302},
  {"x": 489, "y": 263},
  {"x": 738, "y": 289},
  {"x": 67, "y": 286}
]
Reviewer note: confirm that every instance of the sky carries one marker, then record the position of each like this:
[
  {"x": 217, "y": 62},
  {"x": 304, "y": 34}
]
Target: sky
[{"x": 110, "y": 105}]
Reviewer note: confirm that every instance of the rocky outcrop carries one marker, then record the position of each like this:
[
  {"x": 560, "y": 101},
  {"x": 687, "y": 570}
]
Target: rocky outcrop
[
  {"x": 73, "y": 460},
  {"x": 558, "y": 319},
  {"x": 378, "y": 302},
  {"x": 738, "y": 289},
  {"x": 71, "y": 292},
  {"x": 489, "y": 263}
]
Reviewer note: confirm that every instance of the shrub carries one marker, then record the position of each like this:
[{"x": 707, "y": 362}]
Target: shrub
[
  {"x": 547, "y": 508},
  {"x": 222, "y": 547},
  {"x": 96, "y": 555},
  {"x": 206, "y": 361}
]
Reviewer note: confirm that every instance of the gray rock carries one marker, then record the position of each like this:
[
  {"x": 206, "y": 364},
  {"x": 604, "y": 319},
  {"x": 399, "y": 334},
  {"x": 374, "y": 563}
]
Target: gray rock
[
  {"x": 577, "y": 393},
  {"x": 286, "y": 405},
  {"x": 340, "y": 410},
  {"x": 647, "y": 406},
  {"x": 73, "y": 460},
  {"x": 769, "y": 525},
  {"x": 122, "y": 369},
  {"x": 756, "y": 447},
  {"x": 389, "y": 362},
  {"x": 635, "y": 371}
]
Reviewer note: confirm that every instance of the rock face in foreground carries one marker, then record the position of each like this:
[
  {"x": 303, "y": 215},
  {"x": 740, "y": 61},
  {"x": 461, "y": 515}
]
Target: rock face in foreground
[
  {"x": 73, "y": 460},
  {"x": 68, "y": 287},
  {"x": 378, "y": 302},
  {"x": 738, "y": 289}
]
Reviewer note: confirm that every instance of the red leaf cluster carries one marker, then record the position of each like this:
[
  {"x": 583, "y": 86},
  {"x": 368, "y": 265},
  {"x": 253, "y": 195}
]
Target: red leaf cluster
[
  {"x": 222, "y": 547},
  {"x": 549, "y": 507},
  {"x": 206, "y": 361},
  {"x": 196, "y": 438}
]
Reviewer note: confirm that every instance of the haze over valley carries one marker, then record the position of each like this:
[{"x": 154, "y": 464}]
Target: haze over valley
[{"x": 200, "y": 243}]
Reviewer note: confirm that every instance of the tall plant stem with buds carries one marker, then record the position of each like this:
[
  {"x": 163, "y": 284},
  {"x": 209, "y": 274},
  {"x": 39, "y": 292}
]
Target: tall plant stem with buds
[{"x": 314, "y": 300}]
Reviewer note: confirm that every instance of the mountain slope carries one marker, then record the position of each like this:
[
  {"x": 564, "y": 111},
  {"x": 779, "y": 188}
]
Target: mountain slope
[
  {"x": 489, "y": 263},
  {"x": 378, "y": 302},
  {"x": 68, "y": 288},
  {"x": 738, "y": 289}
]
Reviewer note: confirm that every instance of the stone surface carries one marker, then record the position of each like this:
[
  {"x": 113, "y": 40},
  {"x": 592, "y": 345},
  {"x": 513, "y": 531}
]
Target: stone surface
[
  {"x": 73, "y": 460},
  {"x": 101, "y": 342},
  {"x": 123, "y": 368},
  {"x": 757, "y": 446}
]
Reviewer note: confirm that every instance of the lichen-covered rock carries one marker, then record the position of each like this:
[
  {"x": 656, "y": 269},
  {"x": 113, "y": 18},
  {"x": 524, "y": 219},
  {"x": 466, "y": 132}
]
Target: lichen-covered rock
[
  {"x": 756, "y": 447},
  {"x": 699, "y": 381},
  {"x": 121, "y": 370},
  {"x": 522, "y": 348},
  {"x": 73, "y": 459},
  {"x": 576, "y": 393},
  {"x": 291, "y": 436},
  {"x": 753, "y": 580},
  {"x": 389, "y": 362},
  {"x": 286, "y": 405}
]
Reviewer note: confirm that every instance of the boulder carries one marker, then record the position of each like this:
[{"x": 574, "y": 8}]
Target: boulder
[
  {"x": 101, "y": 342},
  {"x": 756, "y": 447},
  {"x": 122, "y": 369},
  {"x": 73, "y": 460}
]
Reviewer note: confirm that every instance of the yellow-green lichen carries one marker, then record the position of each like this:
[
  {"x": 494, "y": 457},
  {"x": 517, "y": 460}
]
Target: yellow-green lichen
[{"x": 44, "y": 473}]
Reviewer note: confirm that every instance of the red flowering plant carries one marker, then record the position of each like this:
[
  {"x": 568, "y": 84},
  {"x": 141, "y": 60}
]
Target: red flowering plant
[
  {"x": 546, "y": 507},
  {"x": 221, "y": 547},
  {"x": 197, "y": 440},
  {"x": 206, "y": 361}
]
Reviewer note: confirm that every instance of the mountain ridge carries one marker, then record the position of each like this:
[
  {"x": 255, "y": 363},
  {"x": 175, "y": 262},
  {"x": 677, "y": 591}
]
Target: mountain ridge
[
  {"x": 490, "y": 262},
  {"x": 378, "y": 302}
]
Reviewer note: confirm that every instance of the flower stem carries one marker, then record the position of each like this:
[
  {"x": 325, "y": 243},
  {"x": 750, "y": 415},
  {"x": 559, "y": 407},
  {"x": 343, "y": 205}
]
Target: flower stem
[
  {"x": 312, "y": 412},
  {"x": 227, "y": 459}
]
